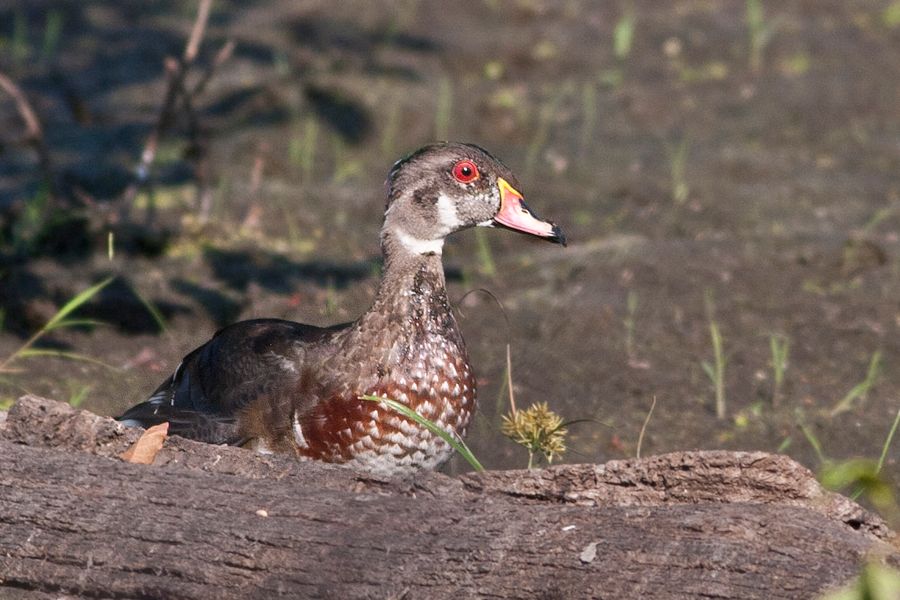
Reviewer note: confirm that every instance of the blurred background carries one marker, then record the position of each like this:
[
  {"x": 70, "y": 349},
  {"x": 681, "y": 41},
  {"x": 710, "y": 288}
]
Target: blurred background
[{"x": 728, "y": 173}]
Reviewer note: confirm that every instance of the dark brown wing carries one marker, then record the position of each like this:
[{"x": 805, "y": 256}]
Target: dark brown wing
[{"x": 242, "y": 362}]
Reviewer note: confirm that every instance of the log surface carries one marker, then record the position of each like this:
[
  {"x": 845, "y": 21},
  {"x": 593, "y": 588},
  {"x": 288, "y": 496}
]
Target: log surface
[{"x": 215, "y": 522}]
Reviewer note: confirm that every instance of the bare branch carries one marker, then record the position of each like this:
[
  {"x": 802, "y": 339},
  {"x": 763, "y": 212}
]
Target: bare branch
[
  {"x": 176, "y": 70},
  {"x": 32, "y": 124},
  {"x": 33, "y": 129},
  {"x": 221, "y": 57},
  {"x": 190, "y": 51}
]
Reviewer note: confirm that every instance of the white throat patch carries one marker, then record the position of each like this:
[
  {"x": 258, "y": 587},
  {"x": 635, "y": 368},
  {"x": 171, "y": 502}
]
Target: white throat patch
[
  {"x": 447, "y": 213},
  {"x": 417, "y": 246}
]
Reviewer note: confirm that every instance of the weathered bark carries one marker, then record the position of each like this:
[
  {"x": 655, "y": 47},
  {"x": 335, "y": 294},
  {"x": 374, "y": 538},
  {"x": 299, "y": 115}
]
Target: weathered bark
[{"x": 214, "y": 522}]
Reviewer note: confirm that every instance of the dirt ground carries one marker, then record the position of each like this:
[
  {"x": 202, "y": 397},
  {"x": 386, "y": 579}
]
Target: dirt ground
[{"x": 710, "y": 171}]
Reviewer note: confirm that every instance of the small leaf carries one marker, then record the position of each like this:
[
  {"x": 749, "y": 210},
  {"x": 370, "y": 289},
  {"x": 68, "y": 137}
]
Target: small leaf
[{"x": 144, "y": 451}]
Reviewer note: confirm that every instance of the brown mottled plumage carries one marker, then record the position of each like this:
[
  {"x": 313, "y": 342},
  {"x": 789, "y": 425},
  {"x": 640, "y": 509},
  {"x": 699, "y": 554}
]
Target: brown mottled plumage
[{"x": 279, "y": 386}]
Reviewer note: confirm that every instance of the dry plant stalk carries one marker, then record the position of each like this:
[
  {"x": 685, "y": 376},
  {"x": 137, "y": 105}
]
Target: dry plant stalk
[{"x": 176, "y": 72}]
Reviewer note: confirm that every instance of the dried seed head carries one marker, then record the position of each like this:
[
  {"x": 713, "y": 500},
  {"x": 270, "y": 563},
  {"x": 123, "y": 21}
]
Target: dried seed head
[{"x": 537, "y": 428}]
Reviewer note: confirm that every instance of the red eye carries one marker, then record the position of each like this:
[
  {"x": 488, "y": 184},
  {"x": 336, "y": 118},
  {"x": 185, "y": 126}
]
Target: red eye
[{"x": 465, "y": 171}]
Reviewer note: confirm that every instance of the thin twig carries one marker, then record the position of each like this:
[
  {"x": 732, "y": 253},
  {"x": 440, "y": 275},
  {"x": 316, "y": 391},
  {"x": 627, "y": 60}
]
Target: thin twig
[
  {"x": 197, "y": 154},
  {"x": 33, "y": 129},
  {"x": 176, "y": 70},
  {"x": 193, "y": 45},
  {"x": 512, "y": 400},
  {"x": 644, "y": 428},
  {"x": 259, "y": 164},
  {"x": 32, "y": 123},
  {"x": 491, "y": 295},
  {"x": 200, "y": 155},
  {"x": 221, "y": 56},
  {"x": 509, "y": 385},
  {"x": 251, "y": 218},
  {"x": 148, "y": 154}
]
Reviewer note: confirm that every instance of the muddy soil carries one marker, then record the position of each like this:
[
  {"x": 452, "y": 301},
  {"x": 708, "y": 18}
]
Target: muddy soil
[{"x": 716, "y": 172}]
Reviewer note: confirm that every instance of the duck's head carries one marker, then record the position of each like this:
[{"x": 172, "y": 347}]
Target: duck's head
[{"x": 447, "y": 187}]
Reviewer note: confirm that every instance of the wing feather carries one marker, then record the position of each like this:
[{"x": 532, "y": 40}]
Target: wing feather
[{"x": 203, "y": 398}]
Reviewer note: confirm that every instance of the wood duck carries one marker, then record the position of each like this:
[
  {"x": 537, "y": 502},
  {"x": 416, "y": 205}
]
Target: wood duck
[{"x": 280, "y": 386}]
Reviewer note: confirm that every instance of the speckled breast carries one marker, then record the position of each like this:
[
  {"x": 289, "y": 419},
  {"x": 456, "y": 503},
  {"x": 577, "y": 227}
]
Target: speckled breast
[{"x": 375, "y": 437}]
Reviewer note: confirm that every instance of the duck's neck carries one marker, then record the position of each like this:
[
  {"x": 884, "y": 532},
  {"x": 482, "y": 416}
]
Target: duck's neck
[
  {"x": 410, "y": 320},
  {"x": 413, "y": 279}
]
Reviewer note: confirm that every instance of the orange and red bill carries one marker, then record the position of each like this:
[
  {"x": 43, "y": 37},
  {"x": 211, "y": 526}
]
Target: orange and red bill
[{"x": 515, "y": 215}]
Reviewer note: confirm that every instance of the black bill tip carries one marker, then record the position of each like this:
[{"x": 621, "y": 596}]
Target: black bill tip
[{"x": 558, "y": 236}]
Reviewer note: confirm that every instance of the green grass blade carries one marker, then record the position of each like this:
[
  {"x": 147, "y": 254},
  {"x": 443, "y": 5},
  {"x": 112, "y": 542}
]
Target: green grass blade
[
  {"x": 814, "y": 442},
  {"x": 152, "y": 309},
  {"x": 55, "y": 322},
  {"x": 784, "y": 445},
  {"x": 79, "y": 396},
  {"x": 76, "y": 302},
  {"x": 623, "y": 34},
  {"x": 34, "y": 352},
  {"x": 861, "y": 389},
  {"x": 443, "y": 110},
  {"x": 456, "y": 443},
  {"x": 887, "y": 443},
  {"x": 487, "y": 266},
  {"x": 74, "y": 323},
  {"x": 53, "y": 27}
]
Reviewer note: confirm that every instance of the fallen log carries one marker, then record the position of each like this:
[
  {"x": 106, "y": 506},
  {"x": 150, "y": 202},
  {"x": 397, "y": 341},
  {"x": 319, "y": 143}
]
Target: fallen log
[{"x": 217, "y": 522}]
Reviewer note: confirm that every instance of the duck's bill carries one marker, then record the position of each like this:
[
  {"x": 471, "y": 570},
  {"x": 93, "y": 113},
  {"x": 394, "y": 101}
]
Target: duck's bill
[{"x": 515, "y": 215}]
